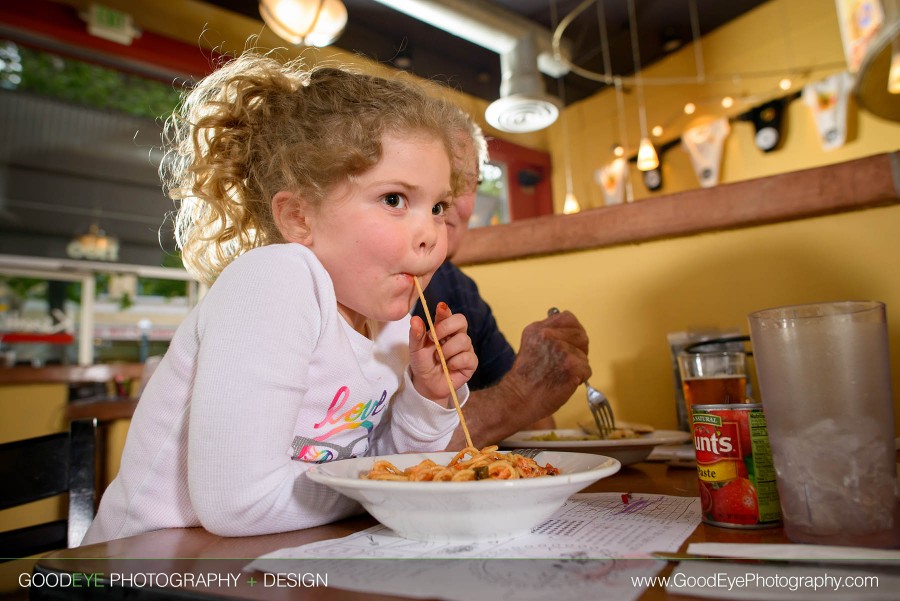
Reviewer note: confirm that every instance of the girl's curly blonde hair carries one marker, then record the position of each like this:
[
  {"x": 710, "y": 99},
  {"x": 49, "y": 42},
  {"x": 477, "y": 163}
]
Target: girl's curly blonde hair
[{"x": 256, "y": 127}]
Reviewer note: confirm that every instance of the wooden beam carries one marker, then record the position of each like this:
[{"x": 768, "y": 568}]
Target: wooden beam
[{"x": 854, "y": 185}]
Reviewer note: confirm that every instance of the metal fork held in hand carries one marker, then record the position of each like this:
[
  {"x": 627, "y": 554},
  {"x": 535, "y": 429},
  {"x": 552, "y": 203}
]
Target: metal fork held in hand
[
  {"x": 601, "y": 410},
  {"x": 599, "y": 405}
]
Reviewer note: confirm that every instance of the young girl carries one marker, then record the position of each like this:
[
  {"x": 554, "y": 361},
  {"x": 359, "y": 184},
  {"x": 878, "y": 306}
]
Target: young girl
[{"x": 312, "y": 198}]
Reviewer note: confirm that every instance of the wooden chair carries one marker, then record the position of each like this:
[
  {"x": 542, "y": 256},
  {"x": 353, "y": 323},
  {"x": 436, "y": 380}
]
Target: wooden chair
[{"x": 46, "y": 466}]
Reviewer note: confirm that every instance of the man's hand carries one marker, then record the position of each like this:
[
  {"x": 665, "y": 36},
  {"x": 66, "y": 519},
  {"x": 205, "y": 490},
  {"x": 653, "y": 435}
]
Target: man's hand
[{"x": 551, "y": 363}]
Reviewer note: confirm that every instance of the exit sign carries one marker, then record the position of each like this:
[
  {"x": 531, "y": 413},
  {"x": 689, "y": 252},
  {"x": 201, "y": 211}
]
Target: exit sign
[{"x": 111, "y": 24}]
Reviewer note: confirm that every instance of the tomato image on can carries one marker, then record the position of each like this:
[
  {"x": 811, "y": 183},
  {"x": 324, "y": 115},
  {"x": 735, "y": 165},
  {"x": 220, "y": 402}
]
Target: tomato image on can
[{"x": 734, "y": 463}]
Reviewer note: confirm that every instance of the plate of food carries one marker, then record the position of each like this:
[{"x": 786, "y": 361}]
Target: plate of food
[
  {"x": 466, "y": 496},
  {"x": 630, "y": 443}
]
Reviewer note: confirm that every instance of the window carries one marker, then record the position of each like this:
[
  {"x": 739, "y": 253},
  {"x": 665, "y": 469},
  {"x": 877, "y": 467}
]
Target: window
[{"x": 492, "y": 201}]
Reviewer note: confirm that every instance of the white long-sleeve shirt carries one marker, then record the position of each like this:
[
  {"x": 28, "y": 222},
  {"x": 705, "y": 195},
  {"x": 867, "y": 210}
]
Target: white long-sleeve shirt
[{"x": 263, "y": 379}]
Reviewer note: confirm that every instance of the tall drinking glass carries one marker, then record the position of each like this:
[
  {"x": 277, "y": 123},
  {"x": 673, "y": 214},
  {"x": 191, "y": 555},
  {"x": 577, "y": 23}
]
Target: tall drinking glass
[
  {"x": 713, "y": 378},
  {"x": 825, "y": 382}
]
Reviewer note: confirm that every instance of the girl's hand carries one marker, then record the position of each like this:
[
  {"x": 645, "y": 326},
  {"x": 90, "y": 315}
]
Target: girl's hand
[{"x": 427, "y": 374}]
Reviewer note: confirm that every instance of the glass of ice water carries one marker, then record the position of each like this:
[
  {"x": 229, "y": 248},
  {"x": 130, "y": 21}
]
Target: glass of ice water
[{"x": 825, "y": 381}]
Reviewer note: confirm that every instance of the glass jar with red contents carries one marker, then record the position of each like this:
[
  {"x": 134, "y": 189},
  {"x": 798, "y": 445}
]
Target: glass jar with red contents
[{"x": 734, "y": 463}]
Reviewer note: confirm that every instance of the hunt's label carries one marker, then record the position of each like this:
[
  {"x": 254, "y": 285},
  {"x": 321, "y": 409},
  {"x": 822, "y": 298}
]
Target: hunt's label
[{"x": 734, "y": 463}]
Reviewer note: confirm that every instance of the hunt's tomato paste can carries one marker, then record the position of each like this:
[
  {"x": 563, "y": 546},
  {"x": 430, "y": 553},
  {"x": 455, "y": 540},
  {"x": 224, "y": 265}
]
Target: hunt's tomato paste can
[{"x": 734, "y": 462}]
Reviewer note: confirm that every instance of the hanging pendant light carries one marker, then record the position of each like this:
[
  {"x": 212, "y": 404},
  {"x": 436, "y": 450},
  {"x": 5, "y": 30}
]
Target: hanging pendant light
[
  {"x": 305, "y": 22},
  {"x": 647, "y": 159},
  {"x": 95, "y": 245},
  {"x": 570, "y": 204},
  {"x": 618, "y": 149}
]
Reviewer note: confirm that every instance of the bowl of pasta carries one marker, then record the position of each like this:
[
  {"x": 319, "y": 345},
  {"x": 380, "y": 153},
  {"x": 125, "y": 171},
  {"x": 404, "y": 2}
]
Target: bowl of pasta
[{"x": 467, "y": 496}]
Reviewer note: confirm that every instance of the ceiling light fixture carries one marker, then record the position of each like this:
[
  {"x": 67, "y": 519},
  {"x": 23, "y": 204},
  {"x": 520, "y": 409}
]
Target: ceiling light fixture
[
  {"x": 305, "y": 22},
  {"x": 785, "y": 83},
  {"x": 524, "y": 104},
  {"x": 647, "y": 159},
  {"x": 619, "y": 150},
  {"x": 525, "y": 48},
  {"x": 95, "y": 245},
  {"x": 570, "y": 203},
  {"x": 620, "y": 111}
]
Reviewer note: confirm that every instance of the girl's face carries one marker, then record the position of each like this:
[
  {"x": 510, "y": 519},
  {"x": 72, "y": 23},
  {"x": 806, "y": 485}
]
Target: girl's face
[{"x": 386, "y": 225}]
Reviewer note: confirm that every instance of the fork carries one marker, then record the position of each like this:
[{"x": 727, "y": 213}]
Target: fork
[
  {"x": 601, "y": 410},
  {"x": 529, "y": 453},
  {"x": 599, "y": 405}
]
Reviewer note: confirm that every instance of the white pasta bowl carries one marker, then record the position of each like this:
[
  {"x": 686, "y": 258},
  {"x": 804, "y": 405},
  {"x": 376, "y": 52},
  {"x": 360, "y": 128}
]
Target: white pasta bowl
[{"x": 463, "y": 511}]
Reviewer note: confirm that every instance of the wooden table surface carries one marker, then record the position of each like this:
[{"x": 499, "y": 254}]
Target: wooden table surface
[{"x": 194, "y": 550}]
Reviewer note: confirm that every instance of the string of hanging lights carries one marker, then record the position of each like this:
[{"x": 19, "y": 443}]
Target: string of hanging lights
[{"x": 700, "y": 77}]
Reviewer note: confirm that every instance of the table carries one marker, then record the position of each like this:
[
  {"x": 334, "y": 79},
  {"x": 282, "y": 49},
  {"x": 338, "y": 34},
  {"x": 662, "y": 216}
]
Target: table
[{"x": 195, "y": 550}]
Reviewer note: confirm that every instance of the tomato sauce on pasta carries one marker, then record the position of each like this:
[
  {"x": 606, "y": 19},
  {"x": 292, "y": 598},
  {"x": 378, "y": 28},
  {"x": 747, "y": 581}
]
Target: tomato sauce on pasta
[{"x": 469, "y": 464}]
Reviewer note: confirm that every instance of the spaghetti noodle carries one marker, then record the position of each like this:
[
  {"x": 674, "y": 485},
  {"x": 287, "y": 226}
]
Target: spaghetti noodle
[
  {"x": 486, "y": 464},
  {"x": 440, "y": 352}
]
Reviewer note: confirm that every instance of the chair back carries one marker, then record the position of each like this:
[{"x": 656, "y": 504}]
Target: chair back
[{"x": 42, "y": 467}]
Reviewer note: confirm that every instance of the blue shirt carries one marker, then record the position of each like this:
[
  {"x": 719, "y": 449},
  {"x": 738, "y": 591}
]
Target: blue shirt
[{"x": 459, "y": 291}]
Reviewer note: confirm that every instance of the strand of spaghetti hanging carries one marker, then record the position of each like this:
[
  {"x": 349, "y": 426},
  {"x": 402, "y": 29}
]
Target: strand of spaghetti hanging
[{"x": 440, "y": 352}]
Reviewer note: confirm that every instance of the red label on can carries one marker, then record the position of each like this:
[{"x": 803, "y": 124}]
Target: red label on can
[{"x": 734, "y": 463}]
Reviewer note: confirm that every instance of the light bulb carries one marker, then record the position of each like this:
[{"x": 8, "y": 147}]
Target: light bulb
[
  {"x": 618, "y": 150},
  {"x": 657, "y": 131},
  {"x": 727, "y": 102},
  {"x": 647, "y": 159},
  {"x": 689, "y": 108},
  {"x": 571, "y": 204},
  {"x": 785, "y": 84}
]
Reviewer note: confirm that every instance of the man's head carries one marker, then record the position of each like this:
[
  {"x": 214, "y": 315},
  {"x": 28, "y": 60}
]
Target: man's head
[{"x": 471, "y": 155}]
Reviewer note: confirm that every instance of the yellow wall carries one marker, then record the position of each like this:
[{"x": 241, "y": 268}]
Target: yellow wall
[{"x": 629, "y": 297}]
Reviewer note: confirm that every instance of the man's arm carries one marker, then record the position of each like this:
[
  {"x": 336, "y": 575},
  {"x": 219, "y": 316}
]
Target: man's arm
[{"x": 551, "y": 363}]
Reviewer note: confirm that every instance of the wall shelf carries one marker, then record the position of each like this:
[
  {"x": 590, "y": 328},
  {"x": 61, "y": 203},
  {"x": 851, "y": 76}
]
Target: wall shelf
[{"x": 850, "y": 186}]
